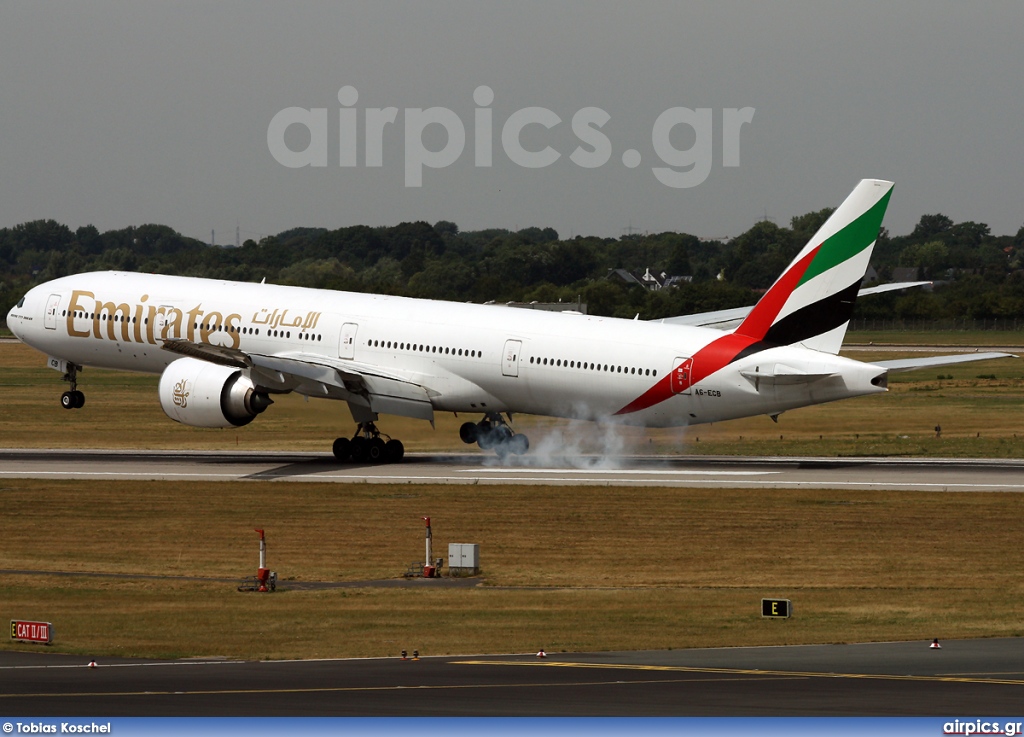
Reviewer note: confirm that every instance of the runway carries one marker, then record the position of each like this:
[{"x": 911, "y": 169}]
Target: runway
[
  {"x": 683, "y": 471},
  {"x": 962, "y": 678}
]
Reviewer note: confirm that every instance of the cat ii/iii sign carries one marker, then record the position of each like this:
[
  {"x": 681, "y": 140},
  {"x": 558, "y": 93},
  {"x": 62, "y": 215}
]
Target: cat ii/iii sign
[{"x": 41, "y": 632}]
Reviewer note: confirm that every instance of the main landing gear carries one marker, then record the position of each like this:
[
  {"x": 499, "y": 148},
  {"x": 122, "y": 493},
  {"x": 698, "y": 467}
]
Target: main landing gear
[
  {"x": 73, "y": 399},
  {"x": 368, "y": 446},
  {"x": 493, "y": 432}
]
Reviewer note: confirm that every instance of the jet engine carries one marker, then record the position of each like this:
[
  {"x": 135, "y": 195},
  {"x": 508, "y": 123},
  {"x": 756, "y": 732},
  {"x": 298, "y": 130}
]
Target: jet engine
[{"x": 203, "y": 394}]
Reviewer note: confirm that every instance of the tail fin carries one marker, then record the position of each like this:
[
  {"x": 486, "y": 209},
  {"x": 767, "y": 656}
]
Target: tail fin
[{"x": 812, "y": 302}]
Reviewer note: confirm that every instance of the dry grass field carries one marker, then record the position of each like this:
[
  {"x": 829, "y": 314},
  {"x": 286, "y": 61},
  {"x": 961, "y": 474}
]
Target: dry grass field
[
  {"x": 578, "y": 568},
  {"x": 571, "y": 569}
]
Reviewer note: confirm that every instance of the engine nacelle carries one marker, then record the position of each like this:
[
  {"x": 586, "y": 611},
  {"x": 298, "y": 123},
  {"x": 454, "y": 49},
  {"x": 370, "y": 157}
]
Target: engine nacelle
[{"x": 203, "y": 394}]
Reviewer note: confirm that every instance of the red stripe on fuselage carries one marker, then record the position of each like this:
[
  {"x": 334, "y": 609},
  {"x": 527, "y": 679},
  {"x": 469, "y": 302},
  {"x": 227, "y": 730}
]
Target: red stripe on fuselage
[
  {"x": 722, "y": 351},
  {"x": 709, "y": 359}
]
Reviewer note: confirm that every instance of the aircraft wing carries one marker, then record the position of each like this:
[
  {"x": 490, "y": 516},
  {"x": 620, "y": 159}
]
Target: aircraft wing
[
  {"x": 726, "y": 319},
  {"x": 365, "y": 387},
  {"x": 910, "y": 364},
  {"x": 218, "y": 354}
]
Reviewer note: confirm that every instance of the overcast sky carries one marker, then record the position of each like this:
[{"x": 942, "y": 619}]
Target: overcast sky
[{"x": 121, "y": 114}]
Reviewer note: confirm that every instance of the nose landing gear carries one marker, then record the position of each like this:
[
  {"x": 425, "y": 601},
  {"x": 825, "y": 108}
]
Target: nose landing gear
[
  {"x": 492, "y": 432},
  {"x": 369, "y": 446},
  {"x": 72, "y": 399}
]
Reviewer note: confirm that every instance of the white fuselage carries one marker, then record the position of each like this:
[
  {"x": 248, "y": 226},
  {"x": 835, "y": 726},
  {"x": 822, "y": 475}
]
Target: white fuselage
[{"x": 468, "y": 357}]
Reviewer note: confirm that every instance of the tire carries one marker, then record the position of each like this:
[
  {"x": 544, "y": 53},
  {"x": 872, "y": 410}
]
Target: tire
[
  {"x": 394, "y": 451},
  {"x": 79, "y": 399},
  {"x": 67, "y": 400},
  {"x": 375, "y": 450},
  {"x": 359, "y": 449},
  {"x": 469, "y": 432},
  {"x": 501, "y": 438},
  {"x": 519, "y": 444},
  {"x": 342, "y": 449},
  {"x": 485, "y": 437}
]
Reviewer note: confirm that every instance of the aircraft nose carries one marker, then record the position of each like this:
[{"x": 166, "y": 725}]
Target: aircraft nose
[{"x": 13, "y": 323}]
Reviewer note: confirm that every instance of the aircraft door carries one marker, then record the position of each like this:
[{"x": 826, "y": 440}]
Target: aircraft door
[
  {"x": 50, "y": 316},
  {"x": 679, "y": 379},
  {"x": 160, "y": 322},
  {"x": 510, "y": 358},
  {"x": 347, "y": 347}
]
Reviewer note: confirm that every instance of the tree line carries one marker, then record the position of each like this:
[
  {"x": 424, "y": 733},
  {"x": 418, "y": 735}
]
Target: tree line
[{"x": 977, "y": 275}]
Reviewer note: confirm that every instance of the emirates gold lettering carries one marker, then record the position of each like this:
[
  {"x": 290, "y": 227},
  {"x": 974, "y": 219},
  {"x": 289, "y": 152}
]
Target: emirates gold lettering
[
  {"x": 141, "y": 322},
  {"x": 193, "y": 320},
  {"x": 151, "y": 324},
  {"x": 109, "y": 312},
  {"x": 172, "y": 324},
  {"x": 230, "y": 325},
  {"x": 73, "y": 309},
  {"x": 138, "y": 319}
]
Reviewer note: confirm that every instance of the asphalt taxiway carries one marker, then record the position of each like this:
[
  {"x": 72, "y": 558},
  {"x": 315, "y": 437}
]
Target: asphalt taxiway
[
  {"x": 908, "y": 678},
  {"x": 684, "y": 471}
]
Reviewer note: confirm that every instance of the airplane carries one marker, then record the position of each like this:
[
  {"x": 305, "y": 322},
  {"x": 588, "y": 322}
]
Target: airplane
[{"x": 224, "y": 349}]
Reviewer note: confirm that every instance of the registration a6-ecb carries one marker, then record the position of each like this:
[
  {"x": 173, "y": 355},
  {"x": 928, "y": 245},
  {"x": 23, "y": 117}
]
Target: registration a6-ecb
[{"x": 707, "y": 392}]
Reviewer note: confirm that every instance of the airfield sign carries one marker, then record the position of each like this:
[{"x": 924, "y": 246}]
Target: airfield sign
[
  {"x": 776, "y": 608},
  {"x": 39, "y": 632}
]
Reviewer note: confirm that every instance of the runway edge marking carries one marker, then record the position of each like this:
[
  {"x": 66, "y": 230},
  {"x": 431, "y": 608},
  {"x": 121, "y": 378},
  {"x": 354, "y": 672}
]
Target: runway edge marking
[{"x": 744, "y": 671}]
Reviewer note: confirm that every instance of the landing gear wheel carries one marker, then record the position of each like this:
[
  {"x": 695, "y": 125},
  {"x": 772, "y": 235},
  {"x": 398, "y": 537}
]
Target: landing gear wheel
[
  {"x": 369, "y": 445},
  {"x": 72, "y": 399},
  {"x": 492, "y": 432},
  {"x": 375, "y": 450},
  {"x": 519, "y": 444},
  {"x": 501, "y": 434},
  {"x": 469, "y": 432},
  {"x": 342, "y": 449},
  {"x": 394, "y": 451},
  {"x": 501, "y": 437},
  {"x": 359, "y": 449},
  {"x": 485, "y": 435}
]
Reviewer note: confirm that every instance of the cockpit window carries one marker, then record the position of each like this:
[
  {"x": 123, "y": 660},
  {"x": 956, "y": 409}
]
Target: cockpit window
[{"x": 21, "y": 302}]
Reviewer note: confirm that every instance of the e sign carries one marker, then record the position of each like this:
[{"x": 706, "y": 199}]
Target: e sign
[{"x": 776, "y": 608}]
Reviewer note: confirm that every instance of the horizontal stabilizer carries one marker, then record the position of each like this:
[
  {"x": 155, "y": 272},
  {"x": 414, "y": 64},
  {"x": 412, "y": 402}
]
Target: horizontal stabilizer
[
  {"x": 781, "y": 374},
  {"x": 721, "y": 319},
  {"x": 726, "y": 319},
  {"x": 910, "y": 364},
  {"x": 880, "y": 288}
]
